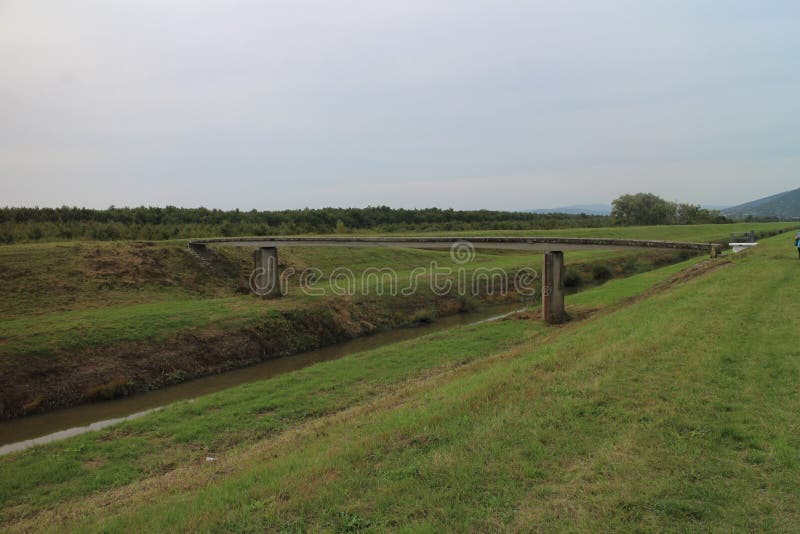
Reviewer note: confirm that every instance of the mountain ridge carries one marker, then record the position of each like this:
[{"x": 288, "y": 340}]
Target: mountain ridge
[{"x": 784, "y": 205}]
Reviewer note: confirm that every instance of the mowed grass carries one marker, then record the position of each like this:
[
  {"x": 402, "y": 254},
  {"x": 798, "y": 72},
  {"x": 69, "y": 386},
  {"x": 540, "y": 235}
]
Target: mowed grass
[
  {"x": 186, "y": 432},
  {"x": 677, "y": 412},
  {"x": 152, "y": 311},
  {"x": 57, "y": 297},
  {"x": 696, "y": 232},
  {"x": 75, "y": 329}
]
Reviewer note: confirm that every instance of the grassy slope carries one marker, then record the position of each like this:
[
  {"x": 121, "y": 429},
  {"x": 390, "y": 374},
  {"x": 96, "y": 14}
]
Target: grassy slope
[
  {"x": 88, "y": 321},
  {"x": 243, "y": 415},
  {"x": 699, "y": 232},
  {"x": 69, "y": 296},
  {"x": 66, "y": 296},
  {"x": 675, "y": 412}
]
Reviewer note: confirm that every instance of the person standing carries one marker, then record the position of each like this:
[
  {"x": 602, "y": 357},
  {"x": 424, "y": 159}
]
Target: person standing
[{"x": 797, "y": 243}]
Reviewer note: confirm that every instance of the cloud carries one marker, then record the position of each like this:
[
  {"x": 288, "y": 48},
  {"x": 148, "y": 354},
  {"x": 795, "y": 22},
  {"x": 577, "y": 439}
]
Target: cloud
[{"x": 462, "y": 104}]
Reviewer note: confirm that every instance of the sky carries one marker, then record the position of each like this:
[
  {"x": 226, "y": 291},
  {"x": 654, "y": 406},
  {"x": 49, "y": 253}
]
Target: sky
[{"x": 467, "y": 104}]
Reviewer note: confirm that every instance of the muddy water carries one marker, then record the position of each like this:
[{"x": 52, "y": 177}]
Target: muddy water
[{"x": 24, "y": 432}]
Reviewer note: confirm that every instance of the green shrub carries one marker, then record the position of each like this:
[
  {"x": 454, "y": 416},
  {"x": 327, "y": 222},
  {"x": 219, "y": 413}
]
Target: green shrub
[
  {"x": 572, "y": 278},
  {"x": 467, "y": 304},
  {"x": 630, "y": 266},
  {"x": 423, "y": 316},
  {"x": 601, "y": 273}
]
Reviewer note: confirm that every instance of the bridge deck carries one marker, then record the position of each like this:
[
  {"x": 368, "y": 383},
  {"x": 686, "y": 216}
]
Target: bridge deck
[{"x": 537, "y": 244}]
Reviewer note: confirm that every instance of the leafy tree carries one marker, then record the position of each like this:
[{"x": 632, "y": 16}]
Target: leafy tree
[
  {"x": 693, "y": 214},
  {"x": 642, "y": 209},
  {"x": 646, "y": 208}
]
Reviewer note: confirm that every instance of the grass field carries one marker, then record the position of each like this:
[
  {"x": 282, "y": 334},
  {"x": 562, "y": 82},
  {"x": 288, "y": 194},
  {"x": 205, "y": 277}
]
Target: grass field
[
  {"x": 671, "y": 407},
  {"x": 66, "y": 296},
  {"x": 92, "y": 320}
]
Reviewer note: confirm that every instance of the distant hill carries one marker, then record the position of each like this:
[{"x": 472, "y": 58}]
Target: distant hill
[
  {"x": 588, "y": 209},
  {"x": 784, "y": 205}
]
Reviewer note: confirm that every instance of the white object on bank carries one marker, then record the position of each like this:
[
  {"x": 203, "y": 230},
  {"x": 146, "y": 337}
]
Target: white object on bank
[{"x": 738, "y": 247}]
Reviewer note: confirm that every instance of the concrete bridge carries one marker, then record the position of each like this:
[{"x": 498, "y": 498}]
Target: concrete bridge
[{"x": 266, "y": 254}]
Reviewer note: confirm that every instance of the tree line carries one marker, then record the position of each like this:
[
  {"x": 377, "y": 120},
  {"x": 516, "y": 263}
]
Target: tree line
[
  {"x": 20, "y": 224},
  {"x": 156, "y": 223}
]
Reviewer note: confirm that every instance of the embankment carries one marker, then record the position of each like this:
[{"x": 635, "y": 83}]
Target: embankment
[{"x": 67, "y": 378}]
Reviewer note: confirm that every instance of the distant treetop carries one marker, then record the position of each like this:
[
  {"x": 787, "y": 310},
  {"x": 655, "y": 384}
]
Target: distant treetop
[{"x": 650, "y": 209}]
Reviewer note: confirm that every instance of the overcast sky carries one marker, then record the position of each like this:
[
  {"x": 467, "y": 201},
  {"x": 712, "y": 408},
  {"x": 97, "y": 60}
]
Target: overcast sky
[{"x": 415, "y": 103}]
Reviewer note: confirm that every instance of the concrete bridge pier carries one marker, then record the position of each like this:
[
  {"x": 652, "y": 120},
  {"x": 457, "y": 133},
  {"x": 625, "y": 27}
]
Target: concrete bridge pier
[
  {"x": 264, "y": 280},
  {"x": 553, "y": 310}
]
